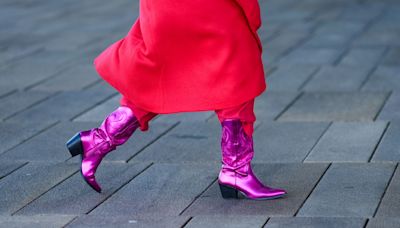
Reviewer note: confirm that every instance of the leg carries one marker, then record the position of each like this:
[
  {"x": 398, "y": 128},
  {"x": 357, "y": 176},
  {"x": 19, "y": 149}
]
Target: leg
[
  {"x": 244, "y": 112},
  {"x": 143, "y": 116},
  {"x": 237, "y": 152}
]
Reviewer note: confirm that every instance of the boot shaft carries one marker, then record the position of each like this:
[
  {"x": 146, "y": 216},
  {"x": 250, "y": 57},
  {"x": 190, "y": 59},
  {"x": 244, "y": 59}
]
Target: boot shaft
[
  {"x": 119, "y": 125},
  {"x": 236, "y": 145}
]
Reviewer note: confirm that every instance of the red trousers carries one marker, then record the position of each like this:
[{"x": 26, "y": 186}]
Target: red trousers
[{"x": 244, "y": 112}]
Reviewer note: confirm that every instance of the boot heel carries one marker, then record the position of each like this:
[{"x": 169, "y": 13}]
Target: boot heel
[
  {"x": 74, "y": 145},
  {"x": 228, "y": 192}
]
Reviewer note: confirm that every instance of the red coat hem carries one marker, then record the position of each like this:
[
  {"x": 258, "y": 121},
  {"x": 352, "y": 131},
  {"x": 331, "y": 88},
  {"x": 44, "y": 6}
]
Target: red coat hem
[{"x": 197, "y": 108}]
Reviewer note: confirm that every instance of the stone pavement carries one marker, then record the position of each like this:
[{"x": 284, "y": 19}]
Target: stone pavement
[{"x": 328, "y": 126}]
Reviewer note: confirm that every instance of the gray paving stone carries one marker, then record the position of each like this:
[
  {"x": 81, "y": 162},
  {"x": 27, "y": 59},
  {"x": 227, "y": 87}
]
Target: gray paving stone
[
  {"x": 77, "y": 197},
  {"x": 288, "y": 15},
  {"x": 385, "y": 78},
  {"x": 5, "y": 91},
  {"x": 9, "y": 167},
  {"x": 163, "y": 189},
  {"x": 384, "y": 222},
  {"x": 374, "y": 39},
  {"x": 337, "y": 79},
  {"x": 389, "y": 148},
  {"x": 141, "y": 140},
  {"x": 392, "y": 57},
  {"x": 285, "y": 142},
  {"x": 29, "y": 182},
  {"x": 64, "y": 106},
  {"x": 48, "y": 145},
  {"x": 289, "y": 78},
  {"x": 101, "y": 111},
  {"x": 327, "y": 14},
  {"x": 390, "y": 205},
  {"x": 298, "y": 179},
  {"x": 233, "y": 221},
  {"x": 74, "y": 78},
  {"x": 272, "y": 55},
  {"x": 287, "y": 39},
  {"x": 367, "y": 57},
  {"x": 302, "y": 222},
  {"x": 12, "y": 53},
  {"x": 36, "y": 221},
  {"x": 347, "y": 141},
  {"x": 328, "y": 40},
  {"x": 270, "y": 104},
  {"x": 335, "y": 106},
  {"x": 13, "y": 133},
  {"x": 198, "y": 142},
  {"x": 365, "y": 13},
  {"x": 348, "y": 190},
  {"x": 391, "y": 110},
  {"x": 19, "y": 101},
  {"x": 312, "y": 56},
  {"x": 29, "y": 71},
  {"x": 344, "y": 27},
  {"x": 95, "y": 221}
]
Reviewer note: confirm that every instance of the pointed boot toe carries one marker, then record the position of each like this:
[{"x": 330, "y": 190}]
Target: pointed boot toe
[{"x": 91, "y": 181}]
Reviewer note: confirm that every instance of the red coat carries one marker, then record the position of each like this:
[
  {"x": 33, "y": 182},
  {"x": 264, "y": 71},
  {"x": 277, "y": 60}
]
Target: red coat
[{"x": 188, "y": 55}]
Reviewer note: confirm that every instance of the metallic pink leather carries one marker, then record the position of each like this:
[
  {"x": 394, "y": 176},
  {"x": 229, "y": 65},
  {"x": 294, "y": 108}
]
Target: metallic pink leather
[
  {"x": 94, "y": 144},
  {"x": 236, "y": 173}
]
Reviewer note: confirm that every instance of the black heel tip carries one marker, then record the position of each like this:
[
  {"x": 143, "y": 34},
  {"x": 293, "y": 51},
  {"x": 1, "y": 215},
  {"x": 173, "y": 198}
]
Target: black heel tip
[
  {"x": 228, "y": 192},
  {"x": 74, "y": 145}
]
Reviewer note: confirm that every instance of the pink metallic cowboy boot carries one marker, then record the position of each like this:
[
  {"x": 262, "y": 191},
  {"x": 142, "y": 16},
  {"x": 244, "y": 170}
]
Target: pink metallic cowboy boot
[
  {"x": 236, "y": 174},
  {"x": 94, "y": 144}
]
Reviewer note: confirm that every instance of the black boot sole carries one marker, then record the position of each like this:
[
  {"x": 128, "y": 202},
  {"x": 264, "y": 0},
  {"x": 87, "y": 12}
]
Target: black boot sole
[{"x": 230, "y": 192}]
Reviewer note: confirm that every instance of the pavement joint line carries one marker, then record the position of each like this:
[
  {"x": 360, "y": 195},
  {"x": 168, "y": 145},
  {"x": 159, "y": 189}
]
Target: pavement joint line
[
  {"x": 198, "y": 196},
  {"x": 312, "y": 190},
  {"x": 309, "y": 78},
  {"x": 51, "y": 124},
  {"x": 154, "y": 140},
  {"x": 93, "y": 107},
  {"x": 388, "y": 95},
  {"x": 386, "y": 188},
  {"x": 99, "y": 80},
  {"x": 366, "y": 223},
  {"x": 186, "y": 222},
  {"x": 298, "y": 96},
  {"x": 374, "y": 68},
  {"x": 317, "y": 141},
  {"x": 8, "y": 93},
  {"x": 92, "y": 84},
  {"x": 71, "y": 221},
  {"x": 345, "y": 51},
  {"x": 16, "y": 58},
  {"x": 210, "y": 117},
  {"x": 50, "y": 95},
  {"x": 120, "y": 187},
  {"x": 379, "y": 142},
  {"x": 48, "y": 77},
  {"x": 293, "y": 47},
  {"x": 265, "y": 223},
  {"x": 15, "y": 169},
  {"x": 41, "y": 194},
  {"x": 114, "y": 93}
]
